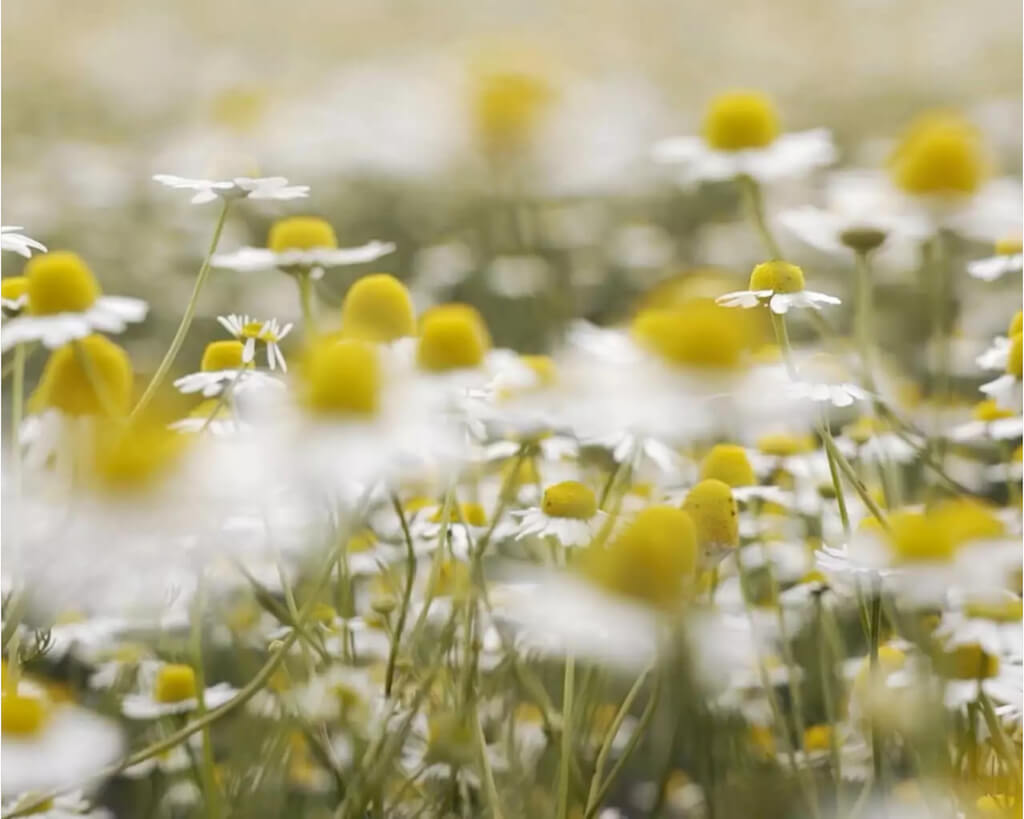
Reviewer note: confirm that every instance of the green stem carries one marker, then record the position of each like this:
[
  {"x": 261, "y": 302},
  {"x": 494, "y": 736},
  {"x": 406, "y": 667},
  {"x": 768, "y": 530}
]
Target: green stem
[
  {"x": 862, "y": 319},
  {"x": 826, "y": 669},
  {"x": 17, "y": 412},
  {"x": 306, "y": 302},
  {"x": 396, "y": 638},
  {"x": 186, "y": 319},
  {"x": 209, "y": 775},
  {"x": 755, "y": 204},
  {"x": 875, "y": 633},
  {"x": 999, "y": 740},
  {"x": 568, "y": 684},
  {"x": 490, "y": 788}
]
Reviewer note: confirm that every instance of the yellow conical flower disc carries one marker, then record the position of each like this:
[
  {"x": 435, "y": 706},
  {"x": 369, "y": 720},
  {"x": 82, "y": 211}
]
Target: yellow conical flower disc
[
  {"x": 301, "y": 233},
  {"x": 222, "y": 355},
  {"x": 728, "y": 463},
  {"x": 781, "y": 277},
  {"x": 940, "y": 154},
  {"x": 60, "y": 282},
  {"x": 713, "y": 509},
  {"x": 452, "y": 337},
  {"x": 66, "y": 385},
  {"x": 342, "y": 377},
  {"x": 740, "y": 120},
  {"x": 378, "y": 308}
]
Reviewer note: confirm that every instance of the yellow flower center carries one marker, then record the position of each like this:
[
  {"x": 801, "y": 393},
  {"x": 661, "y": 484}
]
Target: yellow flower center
[
  {"x": 777, "y": 276},
  {"x": 222, "y": 355},
  {"x": 653, "y": 559},
  {"x": 69, "y": 386},
  {"x": 965, "y": 520},
  {"x": 174, "y": 683},
  {"x": 472, "y": 513},
  {"x": 239, "y": 108},
  {"x": 1009, "y": 246},
  {"x": 698, "y": 335},
  {"x": 713, "y": 509},
  {"x": 451, "y": 579},
  {"x": 378, "y": 308},
  {"x": 988, "y": 410},
  {"x": 508, "y": 106},
  {"x": 362, "y": 541},
  {"x": 137, "y": 456},
  {"x": 22, "y": 714},
  {"x": 741, "y": 119},
  {"x": 782, "y": 445},
  {"x": 543, "y": 367},
  {"x": 728, "y": 463},
  {"x": 1016, "y": 324},
  {"x": 1014, "y": 360},
  {"x": 301, "y": 233},
  {"x": 342, "y": 377},
  {"x": 569, "y": 499},
  {"x": 452, "y": 337},
  {"x": 967, "y": 662},
  {"x": 60, "y": 282},
  {"x": 818, "y": 738},
  {"x": 915, "y": 537},
  {"x": 940, "y": 154},
  {"x": 13, "y": 288}
]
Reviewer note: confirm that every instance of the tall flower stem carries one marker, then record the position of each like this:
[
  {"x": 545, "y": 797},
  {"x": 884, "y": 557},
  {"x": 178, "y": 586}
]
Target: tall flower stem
[
  {"x": 186, "y": 319},
  {"x": 305, "y": 282},
  {"x": 17, "y": 412},
  {"x": 875, "y": 635},
  {"x": 754, "y": 199},
  {"x": 403, "y": 612},
  {"x": 568, "y": 686}
]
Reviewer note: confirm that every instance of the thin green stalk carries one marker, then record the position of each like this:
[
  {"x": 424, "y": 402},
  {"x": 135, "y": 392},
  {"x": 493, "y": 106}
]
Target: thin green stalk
[
  {"x": 875, "y": 634},
  {"x": 862, "y": 319},
  {"x": 833, "y": 472},
  {"x": 825, "y": 667},
  {"x": 403, "y": 612},
  {"x": 186, "y": 319},
  {"x": 30, "y": 347},
  {"x": 208, "y": 771},
  {"x": 755, "y": 205},
  {"x": 999, "y": 740},
  {"x": 490, "y": 788},
  {"x": 568, "y": 684},
  {"x": 305, "y": 281},
  {"x": 609, "y": 738},
  {"x": 95, "y": 380}
]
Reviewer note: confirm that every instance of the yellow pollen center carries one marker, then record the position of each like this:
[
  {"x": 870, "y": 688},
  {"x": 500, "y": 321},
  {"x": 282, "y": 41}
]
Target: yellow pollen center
[
  {"x": 965, "y": 520},
  {"x": 67, "y": 385},
  {"x": 988, "y": 410},
  {"x": 569, "y": 499},
  {"x": 452, "y": 337},
  {"x": 712, "y": 508},
  {"x": 818, "y": 738},
  {"x": 508, "y": 106},
  {"x": 13, "y": 288},
  {"x": 1009, "y": 246},
  {"x": 22, "y": 714},
  {"x": 342, "y": 377},
  {"x": 940, "y": 154},
  {"x": 728, "y": 463},
  {"x": 60, "y": 282},
  {"x": 1016, "y": 324},
  {"x": 779, "y": 277},
  {"x": 362, "y": 541},
  {"x": 698, "y": 335},
  {"x": 301, "y": 233},
  {"x": 783, "y": 446},
  {"x": 543, "y": 367},
  {"x": 967, "y": 662},
  {"x": 222, "y": 355},
  {"x": 378, "y": 308},
  {"x": 915, "y": 537},
  {"x": 653, "y": 559},
  {"x": 739, "y": 120},
  {"x": 137, "y": 456},
  {"x": 174, "y": 683},
  {"x": 1014, "y": 359}
]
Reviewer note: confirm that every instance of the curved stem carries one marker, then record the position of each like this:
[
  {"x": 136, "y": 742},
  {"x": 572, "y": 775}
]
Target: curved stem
[
  {"x": 396, "y": 638},
  {"x": 755, "y": 204},
  {"x": 186, "y": 319}
]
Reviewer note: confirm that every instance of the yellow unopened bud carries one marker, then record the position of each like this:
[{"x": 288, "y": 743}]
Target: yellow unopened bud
[
  {"x": 301, "y": 233},
  {"x": 342, "y": 378},
  {"x": 728, "y": 463},
  {"x": 739, "y": 120},
  {"x": 569, "y": 499},
  {"x": 174, "y": 683},
  {"x": 712, "y": 508},
  {"x": 698, "y": 335},
  {"x": 777, "y": 276},
  {"x": 222, "y": 355},
  {"x": 67, "y": 385},
  {"x": 378, "y": 308},
  {"x": 940, "y": 154},
  {"x": 452, "y": 337},
  {"x": 60, "y": 282}
]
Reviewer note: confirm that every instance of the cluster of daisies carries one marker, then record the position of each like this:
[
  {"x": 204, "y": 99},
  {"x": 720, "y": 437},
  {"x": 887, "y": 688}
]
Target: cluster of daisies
[{"x": 720, "y": 554}]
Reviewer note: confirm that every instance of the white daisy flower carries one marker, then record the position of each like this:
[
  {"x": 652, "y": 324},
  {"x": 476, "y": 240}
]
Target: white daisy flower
[
  {"x": 48, "y": 745},
  {"x": 230, "y": 362},
  {"x": 173, "y": 692},
  {"x": 249, "y": 330},
  {"x": 213, "y": 415},
  {"x": 1008, "y": 258},
  {"x": 997, "y": 429},
  {"x": 1005, "y": 391},
  {"x": 240, "y": 187},
  {"x": 65, "y": 303},
  {"x": 568, "y": 512},
  {"x": 13, "y": 295},
  {"x": 304, "y": 243},
  {"x": 995, "y": 357},
  {"x": 18, "y": 243},
  {"x": 779, "y": 285},
  {"x": 822, "y": 378},
  {"x": 741, "y": 138}
]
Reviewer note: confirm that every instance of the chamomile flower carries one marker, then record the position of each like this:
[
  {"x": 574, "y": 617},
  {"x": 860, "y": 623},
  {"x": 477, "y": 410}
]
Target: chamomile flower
[
  {"x": 240, "y": 187},
  {"x": 18, "y": 243},
  {"x": 780, "y": 286},
  {"x": 823, "y": 380},
  {"x": 1008, "y": 258},
  {"x": 65, "y": 303},
  {"x": 989, "y": 422},
  {"x": 302, "y": 243},
  {"x": 730, "y": 464},
  {"x": 48, "y": 745},
  {"x": 741, "y": 137},
  {"x": 224, "y": 363},
  {"x": 213, "y": 415},
  {"x": 269, "y": 333},
  {"x": 13, "y": 295},
  {"x": 1006, "y": 390},
  {"x": 173, "y": 691},
  {"x": 568, "y": 512}
]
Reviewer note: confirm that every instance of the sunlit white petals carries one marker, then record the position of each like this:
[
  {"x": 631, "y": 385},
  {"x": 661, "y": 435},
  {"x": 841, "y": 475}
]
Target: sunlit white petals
[
  {"x": 240, "y": 187},
  {"x": 108, "y": 314},
  {"x": 567, "y": 531},
  {"x": 994, "y": 358},
  {"x": 995, "y": 267},
  {"x": 18, "y": 243},
  {"x": 1005, "y": 391},
  {"x": 213, "y": 382},
  {"x": 780, "y": 303},
  {"x": 253, "y": 259},
  {"x": 144, "y": 706},
  {"x": 1001, "y": 429}
]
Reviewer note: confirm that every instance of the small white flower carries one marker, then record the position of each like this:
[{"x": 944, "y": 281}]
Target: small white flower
[
  {"x": 211, "y": 383},
  {"x": 779, "y": 303},
  {"x": 1001, "y": 429},
  {"x": 18, "y": 243},
  {"x": 240, "y": 187},
  {"x": 1005, "y": 391},
  {"x": 842, "y": 394},
  {"x": 994, "y": 358},
  {"x": 253, "y": 259},
  {"x": 790, "y": 155},
  {"x": 148, "y": 706},
  {"x": 250, "y": 331},
  {"x": 995, "y": 267},
  {"x": 72, "y": 805},
  {"x": 567, "y": 531}
]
